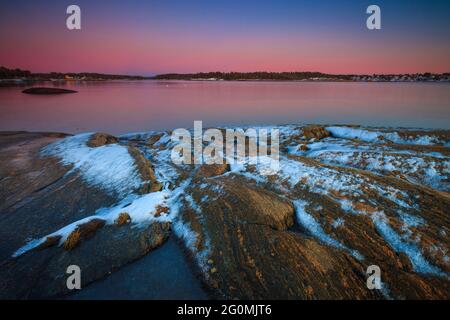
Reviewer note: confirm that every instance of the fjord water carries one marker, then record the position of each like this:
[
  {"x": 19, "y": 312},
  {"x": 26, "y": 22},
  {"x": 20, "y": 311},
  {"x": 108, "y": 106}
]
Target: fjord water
[{"x": 132, "y": 106}]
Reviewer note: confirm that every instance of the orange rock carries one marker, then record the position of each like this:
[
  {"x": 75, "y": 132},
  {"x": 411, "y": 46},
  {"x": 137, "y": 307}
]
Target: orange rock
[
  {"x": 316, "y": 132},
  {"x": 122, "y": 219},
  {"x": 82, "y": 232},
  {"x": 161, "y": 210}
]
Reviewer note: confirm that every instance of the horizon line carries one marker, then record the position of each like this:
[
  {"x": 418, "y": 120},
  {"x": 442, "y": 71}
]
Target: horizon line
[{"x": 216, "y": 71}]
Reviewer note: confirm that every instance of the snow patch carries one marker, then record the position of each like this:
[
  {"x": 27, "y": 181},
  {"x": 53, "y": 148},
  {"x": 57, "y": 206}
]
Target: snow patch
[
  {"x": 420, "y": 264},
  {"x": 109, "y": 167},
  {"x": 308, "y": 222},
  {"x": 378, "y": 136},
  {"x": 141, "y": 210},
  {"x": 339, "y": 222}
]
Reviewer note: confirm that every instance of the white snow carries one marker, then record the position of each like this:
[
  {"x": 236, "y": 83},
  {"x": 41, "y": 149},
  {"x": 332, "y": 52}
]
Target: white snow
[
  {"x": 112, "y": 168},
  {"x": 308, "y": 222},
  {"x": 339, "y": 222},
  {"x": 183, "y": 230},
  {"x": 376, "y": 136},
  {"x": 322, "y": 180},
  {"x": 427, "y": 169},
  {"x": 193, "y": 204},
  {"x": 352, "y": 133},
  {"x": 141, "y": 210},
  {"x": 109, "y": 167},
  {"x": 160, "y": 157},
  {"x": 410, "y": 220},
  {"x": 29, "y": 246},
  {"x": 420, "y": 264},
  {"x": 164, "y": 169}
]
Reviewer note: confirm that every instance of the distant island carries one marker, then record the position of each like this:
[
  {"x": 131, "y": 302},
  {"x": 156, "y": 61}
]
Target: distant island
[
  {"x": 303, "y": 76},
  {"x": 18, "y": 76}
]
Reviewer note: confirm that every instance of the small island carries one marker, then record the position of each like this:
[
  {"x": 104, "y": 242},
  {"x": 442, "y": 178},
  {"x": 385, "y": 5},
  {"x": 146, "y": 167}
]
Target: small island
[{"x": 46, "y": 90}]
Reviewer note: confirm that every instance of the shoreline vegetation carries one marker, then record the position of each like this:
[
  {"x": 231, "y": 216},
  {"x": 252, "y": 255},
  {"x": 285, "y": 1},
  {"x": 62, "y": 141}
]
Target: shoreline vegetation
[
  {"x": 18, "y": 77},
  {"x": 303, "y": 76},
  {"x": 11, "y": 77}
]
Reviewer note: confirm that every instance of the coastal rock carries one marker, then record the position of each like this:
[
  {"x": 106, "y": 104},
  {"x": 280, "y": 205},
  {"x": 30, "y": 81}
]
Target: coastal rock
[
  {"x": 154, "y": 139},
  {"x": 315, "y": 132},
  {"x": 42, "y": 273},
  {"x": 246, "y": 234},
  {"x": 100, "y": 139},
  {"x": 82, "y": 232},
  {"x": 308, "y": 230},
  {"x": 303, "y": 147},
  {"x": 145, "y": 170},
  {"x": 40, "y": 194},
  {"x": 122, "y": 219},
  {"x": 43, "y": 90},
  {"x": 211, "y": 170},
  {"x": 36, "y": 193}
]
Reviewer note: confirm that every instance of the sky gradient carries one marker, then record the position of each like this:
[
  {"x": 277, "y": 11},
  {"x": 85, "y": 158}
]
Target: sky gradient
[{"x": 150, "y": 37}]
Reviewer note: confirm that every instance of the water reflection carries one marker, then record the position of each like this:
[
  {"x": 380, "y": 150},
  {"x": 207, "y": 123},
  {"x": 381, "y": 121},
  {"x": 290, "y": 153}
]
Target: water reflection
[{"x": 129, "y": 106}]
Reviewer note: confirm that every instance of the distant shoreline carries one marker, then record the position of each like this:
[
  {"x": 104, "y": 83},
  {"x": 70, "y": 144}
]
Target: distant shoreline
[
  {"x": 18, "y": 76},
  {"x": 32, "y": 82},
  {"x": 305, "y": 76}
]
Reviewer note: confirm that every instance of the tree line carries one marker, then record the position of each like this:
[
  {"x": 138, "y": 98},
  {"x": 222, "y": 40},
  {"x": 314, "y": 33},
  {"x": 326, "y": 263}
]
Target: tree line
[
  {"x": 6, "y": 73},
  {"x": 262, "y": 75}
]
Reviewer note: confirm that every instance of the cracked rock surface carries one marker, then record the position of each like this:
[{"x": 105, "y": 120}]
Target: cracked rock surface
[{"x": 344, "y": 198}]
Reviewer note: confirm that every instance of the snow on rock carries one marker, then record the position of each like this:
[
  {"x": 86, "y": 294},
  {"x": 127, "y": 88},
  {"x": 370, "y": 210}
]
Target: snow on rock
[
  {"x": 420, "y": 264},
  {"x": 109, "y": 167},
  {"x": 159, "y": 155},
  {"x": 339, "y": 222},
  {"x": 402, "y": 243},
  {"x": 305, "y": 175},
  {"x": 352, "y": 133},
  {"x": 377, "y": 136},
  {"x": 429, "y": 169},
  {"x": 183, "y": 230},
  {"x": 141, "y": 210},
  {"x": 309, "y": 223},
  {"x": 320, "y": 179},
  {"x": 167, "y": 173}
]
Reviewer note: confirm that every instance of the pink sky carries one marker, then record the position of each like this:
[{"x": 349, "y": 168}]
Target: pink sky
[{"x": 175, "y": 37}]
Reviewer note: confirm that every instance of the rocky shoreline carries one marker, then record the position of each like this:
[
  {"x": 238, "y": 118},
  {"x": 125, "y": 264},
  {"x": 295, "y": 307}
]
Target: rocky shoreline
[{"x": 345, "y": 198}]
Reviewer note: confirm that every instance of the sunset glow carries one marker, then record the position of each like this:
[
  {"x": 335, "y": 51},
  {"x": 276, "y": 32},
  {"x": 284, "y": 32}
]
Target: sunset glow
[{"x": 150, "y": 37}]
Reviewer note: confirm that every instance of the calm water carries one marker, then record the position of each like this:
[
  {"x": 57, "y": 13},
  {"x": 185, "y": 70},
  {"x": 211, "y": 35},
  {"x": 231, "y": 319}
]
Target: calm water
[{"x": 121, "y": 106}]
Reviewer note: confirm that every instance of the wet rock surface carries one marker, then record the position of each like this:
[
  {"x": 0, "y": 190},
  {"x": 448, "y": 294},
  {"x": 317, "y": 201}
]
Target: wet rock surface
[
  {"x": 42, "y": 273},
  {"x": 163, "y": 274},
  {"x": 39, "y": 194},
  {"x": 344, "y": 198}
]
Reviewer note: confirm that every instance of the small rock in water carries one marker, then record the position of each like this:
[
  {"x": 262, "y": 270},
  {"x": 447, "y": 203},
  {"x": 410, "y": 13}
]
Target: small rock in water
[{"x": 44, "y": 90}]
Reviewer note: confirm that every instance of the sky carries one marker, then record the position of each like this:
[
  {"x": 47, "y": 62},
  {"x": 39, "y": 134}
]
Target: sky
[{"x": 145, "y": 37}]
